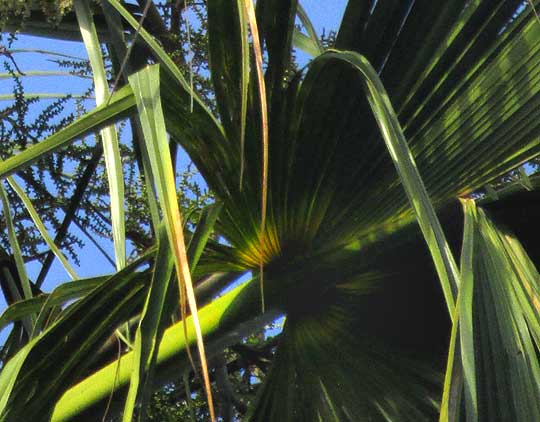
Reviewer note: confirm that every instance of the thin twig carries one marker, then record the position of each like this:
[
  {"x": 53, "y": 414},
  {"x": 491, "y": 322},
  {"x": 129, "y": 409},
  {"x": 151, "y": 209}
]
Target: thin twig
[
  {"x": 5, "y": 52},
  {"x": 94, "y": 242}
]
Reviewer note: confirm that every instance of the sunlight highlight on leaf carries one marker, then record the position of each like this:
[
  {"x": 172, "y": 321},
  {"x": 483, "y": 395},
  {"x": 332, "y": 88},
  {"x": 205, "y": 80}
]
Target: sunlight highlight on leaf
[
  {"x": 145, "y": 84},
  {"x": 405, "y": 165}
]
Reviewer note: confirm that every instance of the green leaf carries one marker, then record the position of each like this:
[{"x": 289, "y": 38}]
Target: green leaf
[
  {"x": 25, "y": 286},
  {"x": 229, "y": 65},
  {"x": 45, "y": 52},
  {"x": 406, "y": 167},
  {"x": 204, "y": 229},
  {"x": 113, "y": 161},
  {"x": 453, "y": 380},
  {"x": 163, "y": 58},
  {"x": 42, "y": 374},
  {"x": 220, "y": 318},
  {"x": 121, "y": 103},
  {"x": 326, "y": 368},
  {"x": 499, "y": 320},
  {"x": 508, "y": 325},
  {"x": 41, "y": 227},
  {"x": 263, "y": 110},
  {"x": 465, "y": 307},
  {"x": 145, "y": 84},
  {"x": 42, "y": 73},
  {"x": 190, "y": 122},
  {"x": 42, "y": 303},
  {"x": 153, "y": 318},
  {"x": 150, "y": 329},
  {"x": 305, "y": 44},
  {"x": 11, "y": 371},
  {"x": 118, "y": 42},
  {"x": 524, "y": 178},
  {"x": 311, "y": 43},
  {"x": 276, "y": 20},
  {"x": 455, "y": 140},
  {"x": 462, "y": 349}
]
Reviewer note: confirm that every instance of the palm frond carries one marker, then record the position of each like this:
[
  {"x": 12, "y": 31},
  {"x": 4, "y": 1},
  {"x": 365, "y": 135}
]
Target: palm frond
[{"x": 498, "y": 325}]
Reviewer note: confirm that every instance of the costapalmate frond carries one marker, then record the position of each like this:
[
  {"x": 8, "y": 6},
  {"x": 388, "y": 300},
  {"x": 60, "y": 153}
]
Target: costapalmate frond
[{"x": 369, "y": 150}]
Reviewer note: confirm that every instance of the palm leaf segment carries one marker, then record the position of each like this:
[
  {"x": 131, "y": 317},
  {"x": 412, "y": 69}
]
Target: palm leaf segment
[
  {"x": 333, "y": 188},
  {"x": 463, "y": 79}
]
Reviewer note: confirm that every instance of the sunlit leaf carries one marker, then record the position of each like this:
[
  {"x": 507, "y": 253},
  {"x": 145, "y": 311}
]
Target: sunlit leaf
[{"x": 111, "y": 152}]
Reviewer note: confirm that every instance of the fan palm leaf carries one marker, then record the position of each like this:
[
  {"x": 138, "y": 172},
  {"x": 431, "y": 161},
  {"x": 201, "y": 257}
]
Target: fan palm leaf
[{"x": 349, "y": 178}]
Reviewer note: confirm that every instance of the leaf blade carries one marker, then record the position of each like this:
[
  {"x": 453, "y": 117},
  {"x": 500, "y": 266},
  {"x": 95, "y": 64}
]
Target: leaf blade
[
  {"x": 41, "y": 227},
  {"x": 111, "y": 151},
  {"x": 145, "y": 85},
  {"x": 408, "y": 173},
  {"x": 121, "y": 103}
]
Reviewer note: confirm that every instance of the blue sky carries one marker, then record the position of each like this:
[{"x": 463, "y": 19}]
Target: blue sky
[{"x": 324, "y": 14}]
